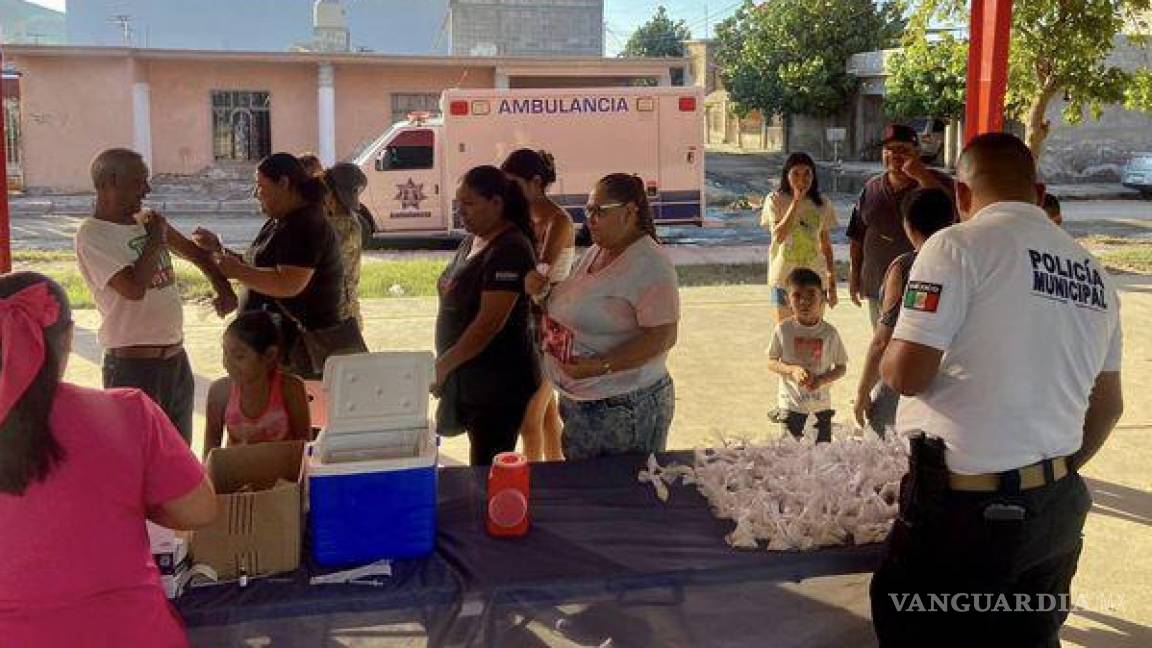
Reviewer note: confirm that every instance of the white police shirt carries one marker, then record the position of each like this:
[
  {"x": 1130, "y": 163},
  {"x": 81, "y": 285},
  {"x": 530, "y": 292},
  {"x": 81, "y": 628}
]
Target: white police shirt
[{"x": 1027, "y": 319}]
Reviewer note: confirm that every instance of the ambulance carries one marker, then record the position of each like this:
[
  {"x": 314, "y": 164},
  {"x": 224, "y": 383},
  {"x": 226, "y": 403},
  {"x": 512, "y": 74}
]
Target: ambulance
[{"x": 414, "y": 168}]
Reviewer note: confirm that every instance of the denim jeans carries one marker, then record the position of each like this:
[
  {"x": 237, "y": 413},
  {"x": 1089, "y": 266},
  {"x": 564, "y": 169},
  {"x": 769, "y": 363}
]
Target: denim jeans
[
  {"x": 634, "y": 422},
  {"x": 168, "y": 382}
]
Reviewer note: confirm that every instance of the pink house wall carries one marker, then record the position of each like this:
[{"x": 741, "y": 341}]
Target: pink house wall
[
  {"x": 181, "y": 104},
  {"x": 364, "y": 95},
  {"x": 76, "y": 103},
  {"x": 71, "y": 109}
]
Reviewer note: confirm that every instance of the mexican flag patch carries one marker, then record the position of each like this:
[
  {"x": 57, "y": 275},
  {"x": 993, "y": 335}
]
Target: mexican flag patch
[{"x": 922, "y": 296}]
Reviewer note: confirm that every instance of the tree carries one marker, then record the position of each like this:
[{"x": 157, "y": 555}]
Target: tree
[
  {"x": 1057, "y": 47},
  {"x": 927, "y": 79},
  {"x": 788, "y": 57},
  {"x": 658, "y": 38}
]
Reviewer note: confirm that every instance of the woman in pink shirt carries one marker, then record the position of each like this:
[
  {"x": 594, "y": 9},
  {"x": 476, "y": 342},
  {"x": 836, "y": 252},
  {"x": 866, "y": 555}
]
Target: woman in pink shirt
[{"x": 80, "y": 472}]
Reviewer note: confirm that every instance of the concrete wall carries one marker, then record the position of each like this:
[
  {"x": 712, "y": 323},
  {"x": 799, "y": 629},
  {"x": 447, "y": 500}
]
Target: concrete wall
[
  {"x": 542, "y": 28},
  {"x": 61, "y": 130},
  {"x": 1095, "y": 150},
  {"x": 808, "y": 134},
  {"x": 364, "y": 96},
  {"x": 76, "y": 102},
  {"x": 182, "y": 108}
]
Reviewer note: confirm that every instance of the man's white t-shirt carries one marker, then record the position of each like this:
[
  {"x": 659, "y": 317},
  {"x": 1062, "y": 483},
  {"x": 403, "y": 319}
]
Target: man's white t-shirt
[
  {"x": 1027, "y": 320},
  {"x": 817, "y": 348},
  {"x": 104, "y": 249},
  {"x": 610, "y": 308}
]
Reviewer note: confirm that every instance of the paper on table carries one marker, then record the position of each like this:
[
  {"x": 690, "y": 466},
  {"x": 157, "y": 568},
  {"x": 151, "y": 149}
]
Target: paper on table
[{"x": 357, "y": 575}]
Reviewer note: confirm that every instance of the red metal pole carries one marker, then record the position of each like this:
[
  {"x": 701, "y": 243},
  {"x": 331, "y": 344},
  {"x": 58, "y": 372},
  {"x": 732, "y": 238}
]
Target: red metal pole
[
  {"x": 989, "y": 34},
  {"x": 5, "y": 214}
]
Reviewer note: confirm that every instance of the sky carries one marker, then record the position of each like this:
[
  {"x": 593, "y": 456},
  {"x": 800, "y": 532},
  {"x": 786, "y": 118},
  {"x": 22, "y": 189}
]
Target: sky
[{"x": 623, "y": 16}]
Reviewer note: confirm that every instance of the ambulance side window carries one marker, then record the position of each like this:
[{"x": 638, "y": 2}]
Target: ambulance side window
[{"x": 409, "y": 150}]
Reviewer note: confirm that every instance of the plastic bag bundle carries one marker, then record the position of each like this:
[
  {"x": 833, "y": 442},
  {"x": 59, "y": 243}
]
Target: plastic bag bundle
[{"x": 795, "y": 495}]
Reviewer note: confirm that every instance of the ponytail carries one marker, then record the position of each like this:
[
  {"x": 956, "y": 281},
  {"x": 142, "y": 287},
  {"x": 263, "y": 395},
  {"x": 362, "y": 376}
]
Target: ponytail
[
  {"x": 311, "y": 188},
  {"x": 28, "y": 450},
  {"x": 629, "y": 188},
  {"x": 490, "y": 182},
  {"x": 527, "y": 165}
]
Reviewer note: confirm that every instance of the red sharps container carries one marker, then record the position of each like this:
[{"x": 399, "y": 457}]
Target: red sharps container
[{"x": 508, "y": 495}]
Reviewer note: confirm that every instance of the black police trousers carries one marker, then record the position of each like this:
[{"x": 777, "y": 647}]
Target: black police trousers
[{"x": 957, "y": 573}]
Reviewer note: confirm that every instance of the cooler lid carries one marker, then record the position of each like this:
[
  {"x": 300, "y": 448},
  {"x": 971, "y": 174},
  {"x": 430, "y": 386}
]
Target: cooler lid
[{"x": 386, "y": 390}]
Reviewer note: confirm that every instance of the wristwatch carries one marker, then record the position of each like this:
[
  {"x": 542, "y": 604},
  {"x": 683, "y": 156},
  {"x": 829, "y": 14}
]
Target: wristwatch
[{"x": 605, "y": 366}]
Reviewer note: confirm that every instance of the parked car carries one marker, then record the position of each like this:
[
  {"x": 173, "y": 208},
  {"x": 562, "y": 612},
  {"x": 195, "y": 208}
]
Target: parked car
[
  {"x": 1137, "y": 174},
  {"x": 931, "y": 132}
]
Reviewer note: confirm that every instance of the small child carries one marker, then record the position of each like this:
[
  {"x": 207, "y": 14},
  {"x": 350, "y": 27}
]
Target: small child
[
  {"x": 258, "y": 401},
  {"x": 808, "y": 355},
  {"x": 1052, "y": 208}
]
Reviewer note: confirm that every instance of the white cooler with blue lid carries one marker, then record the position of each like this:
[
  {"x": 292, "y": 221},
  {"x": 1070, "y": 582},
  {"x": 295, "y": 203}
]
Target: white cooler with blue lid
[{"x": 372, "y": 472}]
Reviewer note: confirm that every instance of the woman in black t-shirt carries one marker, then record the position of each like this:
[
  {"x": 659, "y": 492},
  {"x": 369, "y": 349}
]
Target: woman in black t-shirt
[
  {"x": 293, "y": 266},
  {"x": 482, "y": 336}
]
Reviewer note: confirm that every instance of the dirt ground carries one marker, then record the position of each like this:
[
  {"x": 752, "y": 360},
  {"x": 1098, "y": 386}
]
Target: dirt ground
[{"x": 723, "y": 390}]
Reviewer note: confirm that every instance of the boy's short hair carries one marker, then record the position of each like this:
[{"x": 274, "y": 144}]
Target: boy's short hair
[
  {"x": 1051, "y": 203},
  {"x": 928, "y": 210},
  {"x": 805, "y": 277}
]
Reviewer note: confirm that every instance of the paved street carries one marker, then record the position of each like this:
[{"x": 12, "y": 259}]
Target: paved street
[{"x": 1124, "y": 218}]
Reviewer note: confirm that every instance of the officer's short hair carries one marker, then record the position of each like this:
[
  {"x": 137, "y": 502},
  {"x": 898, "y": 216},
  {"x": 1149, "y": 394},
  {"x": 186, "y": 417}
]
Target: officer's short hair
[
  {"x": 1051, "y": 204},
  {"x": 803, "y": 278},
  {"x": 999, "y": 163},
  {"x": 928, "y": 210}
]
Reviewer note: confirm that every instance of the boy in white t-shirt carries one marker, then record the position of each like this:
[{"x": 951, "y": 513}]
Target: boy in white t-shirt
[{"x": 808, "y": 355}]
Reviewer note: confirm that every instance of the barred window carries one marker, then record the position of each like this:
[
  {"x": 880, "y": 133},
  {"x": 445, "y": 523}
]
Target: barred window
[
  {"x": 241, "y": 125},
  {"x": 404, "y": 103}
]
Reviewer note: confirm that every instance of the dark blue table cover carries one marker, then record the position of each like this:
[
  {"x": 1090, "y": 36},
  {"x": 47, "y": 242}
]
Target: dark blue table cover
[{"x": 599, "y": 538}]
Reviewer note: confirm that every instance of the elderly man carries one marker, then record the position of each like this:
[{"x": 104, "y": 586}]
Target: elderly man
[
  {"x": 1008, "y": 351},
  {"x": 875, "y": 230},
  {"x": 123, "y": 252}
]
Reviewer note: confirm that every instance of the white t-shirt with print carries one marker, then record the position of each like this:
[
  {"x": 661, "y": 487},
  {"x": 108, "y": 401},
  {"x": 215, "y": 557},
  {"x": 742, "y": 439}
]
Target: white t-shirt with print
[
  {"x": 608, "y": 309},
  {"x": 104, "y": 249},
  {"x": 801, "y": 248},
  {"x": 817, "y": 348},
  {"x": 1027, "y": 319}
]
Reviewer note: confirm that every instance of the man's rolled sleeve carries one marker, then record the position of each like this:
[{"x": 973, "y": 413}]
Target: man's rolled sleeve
[{"x": 936, "y": 299}]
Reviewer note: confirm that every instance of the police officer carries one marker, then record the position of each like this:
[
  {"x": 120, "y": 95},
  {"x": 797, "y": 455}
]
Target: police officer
[{"x": 1008, "y": 351}]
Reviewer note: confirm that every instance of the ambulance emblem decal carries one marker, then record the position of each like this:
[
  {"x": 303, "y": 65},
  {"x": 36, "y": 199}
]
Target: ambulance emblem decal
[{"x": 410, "y": 194}]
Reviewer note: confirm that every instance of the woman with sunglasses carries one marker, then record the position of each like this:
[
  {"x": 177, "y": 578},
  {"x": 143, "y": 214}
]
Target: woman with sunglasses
[{"x": 609, "y": 328}]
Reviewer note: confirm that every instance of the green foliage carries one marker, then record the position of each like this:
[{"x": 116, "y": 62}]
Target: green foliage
[
  {"x": 659, "y": 37},
  {"x": 1138, "y": 94},
  {"x": 1058, "y": 48},
  {"x": 788, "y": 56},
  {"x": 927, "y": 78}
]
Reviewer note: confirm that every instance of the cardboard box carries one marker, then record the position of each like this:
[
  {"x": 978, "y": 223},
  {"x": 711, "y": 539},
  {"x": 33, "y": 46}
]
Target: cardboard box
[{"x": 257, "y": 531}]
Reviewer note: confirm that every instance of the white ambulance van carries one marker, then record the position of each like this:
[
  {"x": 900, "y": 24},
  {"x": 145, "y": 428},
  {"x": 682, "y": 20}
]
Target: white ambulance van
[{"x": 414, "y": 168}]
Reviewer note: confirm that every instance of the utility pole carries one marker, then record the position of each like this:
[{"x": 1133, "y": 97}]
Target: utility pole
[{"x": 5, "y": 214}]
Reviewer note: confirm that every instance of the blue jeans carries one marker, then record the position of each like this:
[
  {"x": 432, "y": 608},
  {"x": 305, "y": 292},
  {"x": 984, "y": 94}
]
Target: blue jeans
[{"x": 634, "y": 422}]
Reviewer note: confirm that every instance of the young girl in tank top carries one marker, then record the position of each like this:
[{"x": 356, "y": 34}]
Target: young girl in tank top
[{"x": 258, "y": 401}]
